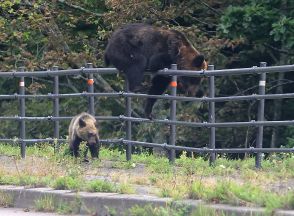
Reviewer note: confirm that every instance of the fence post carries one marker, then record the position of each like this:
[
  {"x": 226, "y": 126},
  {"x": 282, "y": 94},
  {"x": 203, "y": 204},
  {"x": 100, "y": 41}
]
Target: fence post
[
  {"x": 128, "y": 123},
  {"x": 56, "y": 108},
  {"x": 173, "y": 115},
  {"x": 211, "y": 116},
  {"x": 260, "y": 117},
  {"x": 91, "y": 108},
  {"x": 22, "y": 113}
]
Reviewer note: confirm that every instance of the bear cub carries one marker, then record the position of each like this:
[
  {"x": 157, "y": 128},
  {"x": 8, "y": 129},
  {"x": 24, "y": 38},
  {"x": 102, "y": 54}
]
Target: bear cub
[
  {"x": 136, "y": 48},
  {"x": 83, "y": 127}
]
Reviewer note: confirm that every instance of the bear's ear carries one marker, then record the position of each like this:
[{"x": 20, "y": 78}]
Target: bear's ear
[
  {"x": 82, "y": 123},
  {"x": 198, "y": 61}
]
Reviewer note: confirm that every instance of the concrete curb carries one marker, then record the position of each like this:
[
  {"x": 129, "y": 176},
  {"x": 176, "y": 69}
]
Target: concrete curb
[{"x": 104, "y": 203}]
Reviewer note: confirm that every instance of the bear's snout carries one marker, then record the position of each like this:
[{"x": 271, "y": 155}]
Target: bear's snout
[{"x": 92, "y": 140}]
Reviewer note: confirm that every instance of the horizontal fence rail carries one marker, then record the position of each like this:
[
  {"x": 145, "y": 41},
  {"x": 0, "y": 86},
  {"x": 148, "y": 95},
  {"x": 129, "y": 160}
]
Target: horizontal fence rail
[
  {"x": 123, "y": 118},
  {"x": 165, "y": 96},
  {"x": 164, "y": 146},
  {"x": 226, "y": 72},
  {"x": 102, "y": 71},
  {"x": 127, "y": 119},
  {"x": 52, "y": 73}
]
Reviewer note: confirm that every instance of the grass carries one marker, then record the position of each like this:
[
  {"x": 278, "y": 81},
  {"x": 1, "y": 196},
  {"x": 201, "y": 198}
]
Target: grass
[
  {"x": 45, "y": 204},
  {"x": 203, "y": 211},
  {"x": 67, "y": 183},
  {"x": 149, "y": 210},
  {"x": 101, "y": 186},
  {"x": 50, "y": 204},
  {"x": 6, "y": 200},
  {"x": 234, "y": 182},
  {"x": 109, "y": 187},
  {"x": 241, "y": 195}
]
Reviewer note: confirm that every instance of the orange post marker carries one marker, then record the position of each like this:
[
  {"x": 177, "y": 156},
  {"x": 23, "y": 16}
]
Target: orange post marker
[
  {"x": 173, "y": 84},
  {"x": 90, "y": 81}
]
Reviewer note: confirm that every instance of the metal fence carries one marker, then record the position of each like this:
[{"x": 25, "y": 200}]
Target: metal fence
[{"x": 172, "y": 122}]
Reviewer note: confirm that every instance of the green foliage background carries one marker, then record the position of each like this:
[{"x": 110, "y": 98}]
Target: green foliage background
[{"x": 39, "y": 34}]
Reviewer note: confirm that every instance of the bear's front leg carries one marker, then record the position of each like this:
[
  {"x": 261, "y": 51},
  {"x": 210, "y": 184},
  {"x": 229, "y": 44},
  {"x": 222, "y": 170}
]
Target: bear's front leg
[
  {"x": 75, "y": 147},
  {"x": 76, "y": 151},
  {"x": 94, "y": 150},
  {"x": 159, "y": 85}
]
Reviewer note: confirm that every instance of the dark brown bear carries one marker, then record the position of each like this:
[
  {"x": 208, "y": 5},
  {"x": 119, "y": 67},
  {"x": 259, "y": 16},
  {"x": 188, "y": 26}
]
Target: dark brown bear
[
  {"x": 83, "y": 127},
  {"x": 135, "y": 48}
]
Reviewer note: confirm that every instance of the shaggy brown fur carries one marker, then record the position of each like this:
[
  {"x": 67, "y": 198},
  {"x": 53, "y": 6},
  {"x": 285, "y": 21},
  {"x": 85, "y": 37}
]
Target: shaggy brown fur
[
  {"x": 135, "y": 48},
  {"x": 83, "y": 127}
]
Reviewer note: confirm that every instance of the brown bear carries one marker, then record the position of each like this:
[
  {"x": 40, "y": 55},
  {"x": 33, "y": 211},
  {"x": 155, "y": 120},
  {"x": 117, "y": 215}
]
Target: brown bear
[
  {"x": 136, "y": 48},
  {"x": 83, "y": 127}
]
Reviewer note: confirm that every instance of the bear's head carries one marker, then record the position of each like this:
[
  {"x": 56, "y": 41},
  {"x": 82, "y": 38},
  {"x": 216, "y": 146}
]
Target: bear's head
[
  {"x": 190, "y": 59},
  {"x": 88, "y": 131}
]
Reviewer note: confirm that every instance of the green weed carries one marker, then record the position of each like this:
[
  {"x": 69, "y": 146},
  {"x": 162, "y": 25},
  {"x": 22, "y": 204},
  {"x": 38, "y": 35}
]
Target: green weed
[
  {"x": 202, "y": 210},
  {"x": 113, "y": 155},
  {"x": 9, "y": 149},
  {"x": 101, "y": 186},
  {"x": 72, "y": 207},
  {"x": 160, "y": 165},
  {"x": 45, "y": 204},
  {"x": 150, "y": 210},
  {"x": 6, "y": 199},
  {"x": 25, "y": 180},
  {"x": 239, "y": 194},
  {"x": 125, "y": 188},
  {"x": 49, "y": 204},
  {"x": 67, "y": 183}
]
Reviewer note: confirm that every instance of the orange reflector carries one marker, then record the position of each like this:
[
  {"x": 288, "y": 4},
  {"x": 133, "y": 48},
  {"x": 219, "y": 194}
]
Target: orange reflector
[
  {"x": 173, "y": 84},
  {"x": 90, "y": 81}
]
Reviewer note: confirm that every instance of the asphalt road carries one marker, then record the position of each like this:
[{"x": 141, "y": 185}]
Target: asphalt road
[{"x": 22, "y": 212}]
